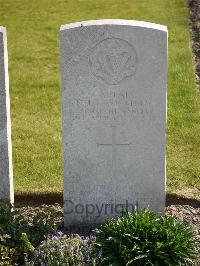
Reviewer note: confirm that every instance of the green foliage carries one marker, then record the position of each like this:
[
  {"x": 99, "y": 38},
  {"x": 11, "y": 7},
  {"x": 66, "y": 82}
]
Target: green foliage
[
  {"x": 13, "y": 235},
  {"x": 142, "y": 239},
  {"x": 5, "y": 254},
  {"x": 146, "y": 239},
  {"x": 18, "y": 235},
  {"x": 63, "y": 250},
  {"x": 44, "y": 224}
]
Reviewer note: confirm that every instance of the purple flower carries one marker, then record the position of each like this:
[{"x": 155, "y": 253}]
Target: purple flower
[
  {"x": 55, "y": 237},
  {"x": 59, "y": 233},
  {"x": 92, "y": 238},
  {"x": 49, "y": 236}
]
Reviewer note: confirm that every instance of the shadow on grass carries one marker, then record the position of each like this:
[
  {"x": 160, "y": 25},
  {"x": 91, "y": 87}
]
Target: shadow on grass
[
  {"x": 34, "y": 199},
  {"x": 174, "y": 199}
]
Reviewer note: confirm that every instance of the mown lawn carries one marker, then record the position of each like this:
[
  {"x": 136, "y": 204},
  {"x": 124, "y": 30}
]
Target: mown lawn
[{"x": 33, "y": 42}]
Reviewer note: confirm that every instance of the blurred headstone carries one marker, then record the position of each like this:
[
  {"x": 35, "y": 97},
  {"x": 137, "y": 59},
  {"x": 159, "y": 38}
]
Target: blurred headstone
[{"x": 6, "y": 171}]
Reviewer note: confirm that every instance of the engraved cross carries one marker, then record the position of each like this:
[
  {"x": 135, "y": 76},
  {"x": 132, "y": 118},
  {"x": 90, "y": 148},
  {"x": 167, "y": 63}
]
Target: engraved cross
[{"x": 114, "y": 145}]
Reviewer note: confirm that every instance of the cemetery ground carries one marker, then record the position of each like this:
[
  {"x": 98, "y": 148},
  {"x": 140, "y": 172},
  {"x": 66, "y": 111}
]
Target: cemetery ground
[{"x": 33, "y": 45}]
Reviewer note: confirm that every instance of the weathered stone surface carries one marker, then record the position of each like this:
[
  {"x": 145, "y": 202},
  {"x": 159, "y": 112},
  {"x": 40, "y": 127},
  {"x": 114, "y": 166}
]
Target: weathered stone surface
[
  {"x": 113, "y": 75},
  {"x": 6, "y": 173}
]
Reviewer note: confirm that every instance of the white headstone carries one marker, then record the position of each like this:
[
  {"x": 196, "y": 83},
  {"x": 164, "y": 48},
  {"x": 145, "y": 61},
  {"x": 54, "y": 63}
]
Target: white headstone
[
  {"x": 6, "y": 172},
  {"x": 113, "y": 75}
]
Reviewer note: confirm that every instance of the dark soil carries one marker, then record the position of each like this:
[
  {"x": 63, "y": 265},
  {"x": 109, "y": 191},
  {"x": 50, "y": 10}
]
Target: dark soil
[{"x": 194, "y": 24}]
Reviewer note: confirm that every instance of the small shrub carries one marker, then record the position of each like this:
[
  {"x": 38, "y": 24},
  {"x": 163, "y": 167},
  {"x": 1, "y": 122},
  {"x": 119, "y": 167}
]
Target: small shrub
[
  {"x": 14, "y": 229},
  {"x": 145, "y": 239},
  {"x": 18, "y": 235},
  {"x": 60, "y": 249},
  {"x": 43, "y": 224}
]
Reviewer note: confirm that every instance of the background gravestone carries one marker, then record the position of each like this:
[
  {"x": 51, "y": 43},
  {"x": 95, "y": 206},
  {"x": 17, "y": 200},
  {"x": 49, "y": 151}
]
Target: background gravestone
[
  {"x": 6, "y": 172},
  {"x": 113, "y": 75}
]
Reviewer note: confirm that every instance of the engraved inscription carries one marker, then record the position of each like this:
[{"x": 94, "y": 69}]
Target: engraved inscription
[
  {"x": 114, "y": 145},
  {"x": 113, "y": 60},
  {"x": 114, "y": 106}
]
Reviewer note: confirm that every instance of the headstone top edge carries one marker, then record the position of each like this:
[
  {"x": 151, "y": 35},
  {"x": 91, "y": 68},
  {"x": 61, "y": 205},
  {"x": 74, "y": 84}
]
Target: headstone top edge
[
  {"x": 120, "y": 22},
  {"x": 2, "y": 29}
]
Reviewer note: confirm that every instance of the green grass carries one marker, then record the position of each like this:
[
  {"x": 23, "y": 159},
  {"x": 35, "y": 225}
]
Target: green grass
[{"x": 33, "y": 42}]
